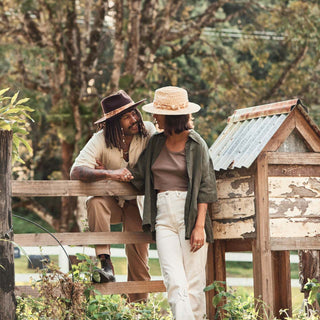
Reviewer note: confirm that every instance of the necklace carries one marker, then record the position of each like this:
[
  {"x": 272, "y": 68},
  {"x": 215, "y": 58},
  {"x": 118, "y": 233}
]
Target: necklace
[{"x": 125, "y": 148}]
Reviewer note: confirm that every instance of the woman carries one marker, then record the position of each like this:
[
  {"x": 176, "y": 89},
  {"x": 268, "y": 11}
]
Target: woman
[{"x": 176, "y": 173}]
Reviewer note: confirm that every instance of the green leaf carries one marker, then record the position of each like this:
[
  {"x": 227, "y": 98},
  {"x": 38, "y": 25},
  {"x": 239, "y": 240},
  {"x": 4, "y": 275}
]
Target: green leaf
[
  {"x": 26, "y": 143},
  {"x": 14, "y": 98},
  {"x": 21, "y": 101},
  {"x": 5, "y": 126},
  {"x": 318, "y": 298},
  {"x": 13, "y": 110},
  {"x": 3, "y": 91},
  {"x": 16, "y": 129}
]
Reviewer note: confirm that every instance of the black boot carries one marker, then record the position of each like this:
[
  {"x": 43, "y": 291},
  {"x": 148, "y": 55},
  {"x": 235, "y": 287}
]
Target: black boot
[{"x": 106, "y": 273}]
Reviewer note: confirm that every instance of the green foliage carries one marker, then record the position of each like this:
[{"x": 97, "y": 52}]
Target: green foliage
[
  {"x": 232, "y": 305},
  {"x": 229, "y": 305},
  {"x": 72, "y": 296},
  {"x": 313, "y": 286},
  {"x": 13, "y": 116}
]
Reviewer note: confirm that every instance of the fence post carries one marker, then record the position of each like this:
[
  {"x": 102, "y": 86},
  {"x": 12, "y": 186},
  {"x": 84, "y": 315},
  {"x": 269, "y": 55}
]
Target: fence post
[{"x": 7, "y": 297}]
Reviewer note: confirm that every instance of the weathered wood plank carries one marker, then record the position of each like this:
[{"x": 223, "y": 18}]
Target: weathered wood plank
[
  {"x": 295, "y": 243},
  {"x": 294, "y": 208},
  {"x": 279, "y": 170},
  {"x": 108, "y": 288},
  {"x": 261, "y": 252},
  {"x": 294, "y": 158},
  {"x": 282, "y": 283},
  {"x": 234, "y": 230},
  {"x": 235, "y": 208},
  {"x": 82, "y": 238},
  {"x": 281, "y": 134},
  {"x": 66, "y": 188},
  {"x": 289, "y": 187},
  {"x": 235, "y": 187},
  {"x": 310, "y": 135},
  {"x": 238, "y": 245},
  {"x": 295, "y": 227}
]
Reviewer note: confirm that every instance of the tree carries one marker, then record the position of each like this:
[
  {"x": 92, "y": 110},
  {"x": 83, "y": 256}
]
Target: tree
[{"x": 69, "y": 54}]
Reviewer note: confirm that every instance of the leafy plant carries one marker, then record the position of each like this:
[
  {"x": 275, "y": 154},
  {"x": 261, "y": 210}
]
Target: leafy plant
[
  {"x": 72, "y": 296},
  {"x": 313, "y": 286},
  {"x": 229, "y": 305},
  {"x": 13, "y": 116}
]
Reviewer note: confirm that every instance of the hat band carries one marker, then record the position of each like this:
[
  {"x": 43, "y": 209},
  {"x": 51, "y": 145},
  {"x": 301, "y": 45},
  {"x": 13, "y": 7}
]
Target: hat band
[
  {"x": 170, "y": 106},
  {"x": 116, "y": 111}
]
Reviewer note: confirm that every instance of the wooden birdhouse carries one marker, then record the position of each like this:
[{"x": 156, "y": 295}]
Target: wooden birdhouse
[{"x": 267, "y": 163}]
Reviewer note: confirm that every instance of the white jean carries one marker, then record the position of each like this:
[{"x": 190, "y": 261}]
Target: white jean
[{"x": 183, "y": 271}]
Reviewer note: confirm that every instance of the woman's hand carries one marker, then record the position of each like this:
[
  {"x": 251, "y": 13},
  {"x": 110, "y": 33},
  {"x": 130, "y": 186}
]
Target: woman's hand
[
  {"x": 99, "y": 165},
  {"x": 197, "y": 238}
]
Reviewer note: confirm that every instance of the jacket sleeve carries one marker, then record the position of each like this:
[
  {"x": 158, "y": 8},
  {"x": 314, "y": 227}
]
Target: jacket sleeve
[
  {"x": 208, "y": 189},
  {"x": 139, "y": 171}
]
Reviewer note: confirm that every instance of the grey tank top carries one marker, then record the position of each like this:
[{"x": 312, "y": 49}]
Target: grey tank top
[{"x": 170, "y": 171}]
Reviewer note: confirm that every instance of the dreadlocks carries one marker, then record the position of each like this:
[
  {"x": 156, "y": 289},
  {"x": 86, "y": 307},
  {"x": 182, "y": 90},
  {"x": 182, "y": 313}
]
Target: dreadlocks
[{"x": 112, "y": 129}]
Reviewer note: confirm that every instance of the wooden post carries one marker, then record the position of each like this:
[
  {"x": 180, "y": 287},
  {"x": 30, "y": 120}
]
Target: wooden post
[
  {"x": 216, "y": 271},
  {"x": 282, "y": 283},
  {"x": 261, "y": 252},
  {"x": 7, "y": 297}
]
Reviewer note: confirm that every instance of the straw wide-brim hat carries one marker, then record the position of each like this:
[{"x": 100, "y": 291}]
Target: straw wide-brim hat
[
  {"x": 116, "y": 104},
  {"x": 171, "y": 101}
]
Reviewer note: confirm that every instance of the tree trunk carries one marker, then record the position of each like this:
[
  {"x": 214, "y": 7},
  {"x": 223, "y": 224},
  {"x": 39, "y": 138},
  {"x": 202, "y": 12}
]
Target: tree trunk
[
  {"x": 118, "y": 54},
  {"x": 68, "y": 204},
  {"x": 7, "y": 297},
  {"x": 309, "y": 268}
]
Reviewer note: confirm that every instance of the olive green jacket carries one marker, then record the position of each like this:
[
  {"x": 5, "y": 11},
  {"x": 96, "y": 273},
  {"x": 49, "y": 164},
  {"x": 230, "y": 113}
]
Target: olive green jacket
[{"x": 201, "y": 185}]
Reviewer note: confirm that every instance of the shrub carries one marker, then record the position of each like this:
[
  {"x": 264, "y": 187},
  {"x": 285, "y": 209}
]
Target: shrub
[{"x": 72, "y": 296}]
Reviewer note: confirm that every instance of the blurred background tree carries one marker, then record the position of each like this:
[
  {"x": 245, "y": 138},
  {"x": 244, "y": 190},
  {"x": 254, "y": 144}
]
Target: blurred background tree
[{"x": 67, "y": 55}]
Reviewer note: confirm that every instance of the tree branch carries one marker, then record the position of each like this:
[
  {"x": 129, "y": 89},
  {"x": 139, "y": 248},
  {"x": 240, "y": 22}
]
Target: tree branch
[{"x": 285, "y": 73}]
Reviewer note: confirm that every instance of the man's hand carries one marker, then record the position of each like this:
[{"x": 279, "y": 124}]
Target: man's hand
[
  {"x": 98, "y": 173},
  {"x": 120, "y": 175}
]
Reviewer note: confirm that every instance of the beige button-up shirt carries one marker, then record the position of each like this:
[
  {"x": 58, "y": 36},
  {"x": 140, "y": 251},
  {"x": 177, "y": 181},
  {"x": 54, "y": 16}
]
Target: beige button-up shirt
[{"x": 112, "y": 158}]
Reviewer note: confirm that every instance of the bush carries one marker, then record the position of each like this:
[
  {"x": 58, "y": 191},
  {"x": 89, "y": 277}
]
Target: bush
[{"x": 72, "y": 296}]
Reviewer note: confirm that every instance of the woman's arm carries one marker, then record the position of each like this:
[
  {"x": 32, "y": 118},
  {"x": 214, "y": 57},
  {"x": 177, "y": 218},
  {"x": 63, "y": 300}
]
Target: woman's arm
[{"x": 197, "y": 238}]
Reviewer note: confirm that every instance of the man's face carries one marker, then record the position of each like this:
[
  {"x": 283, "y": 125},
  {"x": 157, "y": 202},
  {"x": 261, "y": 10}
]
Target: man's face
[{"x": 129, "y": 123}]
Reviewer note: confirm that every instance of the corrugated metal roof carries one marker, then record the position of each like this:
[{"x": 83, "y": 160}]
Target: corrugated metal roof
[{"x": 247, "y": 133}]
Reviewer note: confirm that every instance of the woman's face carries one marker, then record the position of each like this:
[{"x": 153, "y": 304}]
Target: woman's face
[{"x": 160, "y": 120}]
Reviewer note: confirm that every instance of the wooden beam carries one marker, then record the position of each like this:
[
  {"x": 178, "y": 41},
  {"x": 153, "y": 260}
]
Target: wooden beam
[
  {"x": 281, "y": 134},
  {"x": 66, "y": 188},
  {"x": 82, "y": 238},
  {"x": 261, "y": 251},
  {"x": 294, "y": 158},
  {"x": 108, "y": 288},
  {"x": 293, "y": 170},
  {"x": 238, "y": 245},
  {"x": 279, "y": 244},
  {"x": 311, "y": 137},
  {"x": 282, "y": 283}
]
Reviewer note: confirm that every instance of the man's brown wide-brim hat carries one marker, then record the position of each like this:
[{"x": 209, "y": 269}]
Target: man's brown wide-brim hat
[
  {"x": 171, "y": 101},
  {"x": 115, "y": 104}
]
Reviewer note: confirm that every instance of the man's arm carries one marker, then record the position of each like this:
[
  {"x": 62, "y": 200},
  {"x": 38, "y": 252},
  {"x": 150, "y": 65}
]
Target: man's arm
[{"x": 87, "y": 174}]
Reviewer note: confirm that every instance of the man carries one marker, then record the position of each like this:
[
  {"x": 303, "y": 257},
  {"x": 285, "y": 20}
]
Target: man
[{"x": 123, "y": 136}]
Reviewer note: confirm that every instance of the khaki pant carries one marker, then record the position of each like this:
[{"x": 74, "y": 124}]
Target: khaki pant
[{"x": 104, "y": 211}]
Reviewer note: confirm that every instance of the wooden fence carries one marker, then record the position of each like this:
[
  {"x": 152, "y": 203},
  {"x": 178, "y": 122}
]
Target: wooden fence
[{"x": 101, "y": 188}]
